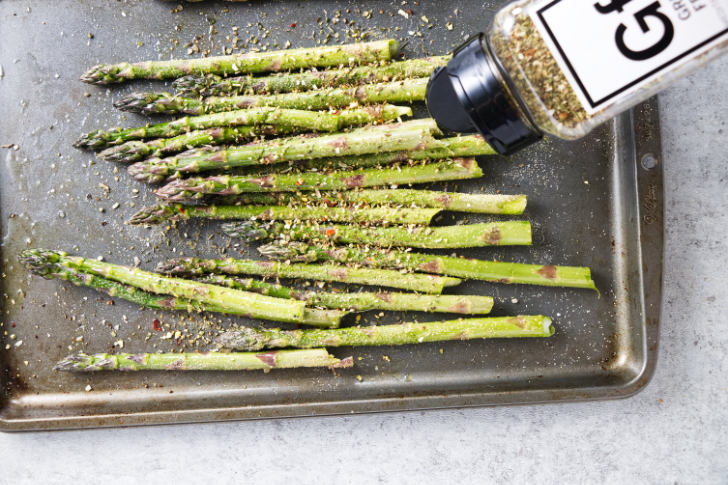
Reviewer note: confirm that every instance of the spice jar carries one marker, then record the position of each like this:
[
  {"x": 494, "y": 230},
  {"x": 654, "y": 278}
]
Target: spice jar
[{"x": 565, "y": 66}]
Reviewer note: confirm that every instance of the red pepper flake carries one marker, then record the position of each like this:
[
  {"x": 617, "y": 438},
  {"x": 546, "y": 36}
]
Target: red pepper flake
[
  {"x": 299, "y": 182},
  {"x": 293, "y": 25},
  {"x": 181, "y": 210},
  {"x": 409, "y": 11},
  {"x": 12, "y": 325},
  {"x": 156, "y": 325},
  {"x": 330, "y": 232}
]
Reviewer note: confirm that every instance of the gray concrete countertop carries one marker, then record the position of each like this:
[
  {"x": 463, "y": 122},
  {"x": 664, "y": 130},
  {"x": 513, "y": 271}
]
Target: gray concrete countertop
[{"x": 675, "y": 431}]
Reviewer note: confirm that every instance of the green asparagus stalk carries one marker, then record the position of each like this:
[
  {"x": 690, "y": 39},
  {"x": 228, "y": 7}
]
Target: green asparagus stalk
[
  {"x": 312, "y": 316},
  {"x": 125, "y": 292},
  {"x": 283, "y": 120},
  {"x": 505, "y": 233},
  {"x": 236, "y": 302},
  {"x": 476, "y": 269},
  {"x": 251, "y": 62},
  {"x": 454, "y": 201},
  {"x": 379, "y": 215},
  {"x": 214, "y": 85},
  {"x": 401, "y": 136},
  {"x": 405, "y": 91},
  {"x": 248, "y": 284},
  {"x": 245, "y": 338},
  {"x": 456, "y": 147},
  {"x": 365, "y": 301},
  {"x": 135, "y": 150},
  {"x": 206, "y": 361},
  {"x": 318, "y": 272},
  {"x": 197, "y": 188}
]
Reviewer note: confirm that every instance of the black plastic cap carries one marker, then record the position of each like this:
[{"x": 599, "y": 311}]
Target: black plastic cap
[{"x": 467, "y": 96}]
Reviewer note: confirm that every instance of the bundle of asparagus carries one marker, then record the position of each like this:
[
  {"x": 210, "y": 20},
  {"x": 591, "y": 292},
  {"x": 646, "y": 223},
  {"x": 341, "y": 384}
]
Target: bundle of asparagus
[
  {"x": 288, "y": 191},
  {"x": 357, "y": 260},
  {"x": 263, "y": 300}
]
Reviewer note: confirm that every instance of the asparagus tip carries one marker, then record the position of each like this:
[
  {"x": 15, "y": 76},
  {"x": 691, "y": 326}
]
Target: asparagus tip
[
  {"x": 155, "y": 215},
  {"x": 242, "y": 337},
  {"x": 193, "y": 85},
  {"x": 84, "y": 362},
  {"x": 128, "y": 152},
  {"x": 151, "y": 171},
  {"x": 147, "y": 103},
  {"x": 92, "y": 140},
  {"x": 40, "y": 261},
  {"x": 249, "y": 231},
  {"x": 292, "y": 251},
  {"x": 177, "y": 191},
  {"x": 172, "y": 266},
  {"x": 102, "y": 74}
]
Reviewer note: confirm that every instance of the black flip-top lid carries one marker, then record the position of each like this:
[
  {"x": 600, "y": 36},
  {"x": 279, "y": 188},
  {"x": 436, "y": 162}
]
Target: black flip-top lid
[{"x": 467, "y": 96}]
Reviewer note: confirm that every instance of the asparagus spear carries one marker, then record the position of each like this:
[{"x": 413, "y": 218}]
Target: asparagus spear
[
  {"x": 402, "y": 136},
  {"x": 495, "y": 271},
  {"x": 380, "y": 215},
  {"x": 311, "y": 316},
  {"x": 454, "y": 201},
  {"x": 251, "y": 62},
  {"x": 405, "y": 91},
  {"x": 196, "y": 188},
  {"x": 245, "y": 338},
  {"x": 284, "y": 120},
  {"x": 456, "y": 147},
  {"x": 135, "y": 150},
  {"x": 210, "y": 361},
  {"x": 506, "y": 233},
  {"x": 214, "y": 85},
  {"x": 320, "y": 272},
  {"x": 237, "y": 302},
  {"x": 364, "y": 301}
]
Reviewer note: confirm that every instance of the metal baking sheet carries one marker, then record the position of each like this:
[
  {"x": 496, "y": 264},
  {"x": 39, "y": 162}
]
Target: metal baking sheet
[{"x": 592, "y": 202}]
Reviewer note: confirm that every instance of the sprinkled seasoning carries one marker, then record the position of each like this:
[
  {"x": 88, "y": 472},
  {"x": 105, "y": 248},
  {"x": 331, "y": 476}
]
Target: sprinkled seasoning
[{"x": 538, "y": 77}]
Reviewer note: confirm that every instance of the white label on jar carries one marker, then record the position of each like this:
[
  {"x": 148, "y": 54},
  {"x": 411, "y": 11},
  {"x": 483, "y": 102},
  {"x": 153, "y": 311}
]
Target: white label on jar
[{"x": 608, "y": 49}]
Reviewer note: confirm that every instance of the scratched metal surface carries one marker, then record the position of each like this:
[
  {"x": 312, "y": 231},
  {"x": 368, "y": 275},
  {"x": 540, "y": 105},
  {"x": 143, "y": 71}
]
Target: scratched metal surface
[{"x": 590, "y": 201}]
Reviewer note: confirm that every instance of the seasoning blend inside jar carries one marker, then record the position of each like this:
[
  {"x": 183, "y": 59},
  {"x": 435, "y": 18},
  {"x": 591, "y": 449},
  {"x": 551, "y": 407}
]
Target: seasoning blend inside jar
[{"x": 565, "y": 66}]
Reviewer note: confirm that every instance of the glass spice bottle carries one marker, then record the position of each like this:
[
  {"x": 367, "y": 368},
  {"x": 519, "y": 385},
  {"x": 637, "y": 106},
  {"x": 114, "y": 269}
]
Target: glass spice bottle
[{"x": 565, "y": 66}]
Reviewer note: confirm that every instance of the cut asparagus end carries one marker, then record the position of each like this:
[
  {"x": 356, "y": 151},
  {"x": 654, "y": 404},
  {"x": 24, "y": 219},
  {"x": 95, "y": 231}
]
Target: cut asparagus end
[
  {"x": 392, "y": 112},
  {"x": 316, "y": 317},
  {"x": 548, "y": 328},
  {"x": 450, "y": 281},
  {"x": 393, "y": 48}
]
